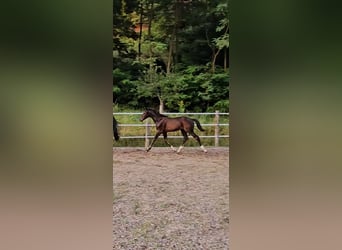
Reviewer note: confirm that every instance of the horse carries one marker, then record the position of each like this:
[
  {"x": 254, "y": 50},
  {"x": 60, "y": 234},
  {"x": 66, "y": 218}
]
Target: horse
[
  {"x": 165, "y": 124},
  {"x": 115, "y": 129}
]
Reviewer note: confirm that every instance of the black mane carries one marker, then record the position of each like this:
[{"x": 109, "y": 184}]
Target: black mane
[{"x": 156, "y": 112}]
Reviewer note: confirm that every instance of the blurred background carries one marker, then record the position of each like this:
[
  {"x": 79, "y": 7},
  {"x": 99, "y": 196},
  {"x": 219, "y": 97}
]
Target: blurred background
[
  {"x": 285, "y": 164},
  {"x": 56, "y": 103}
]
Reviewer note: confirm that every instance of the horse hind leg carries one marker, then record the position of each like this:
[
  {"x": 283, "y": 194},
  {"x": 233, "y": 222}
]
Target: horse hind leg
[
  {"x": 198, "y": 140},
  {"x": 185, "y": 138},
  {"x": 166, "y": 141}
]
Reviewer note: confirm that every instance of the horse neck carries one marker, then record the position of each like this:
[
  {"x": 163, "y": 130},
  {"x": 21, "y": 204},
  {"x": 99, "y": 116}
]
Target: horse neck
[{"x": 156, "y": 116}]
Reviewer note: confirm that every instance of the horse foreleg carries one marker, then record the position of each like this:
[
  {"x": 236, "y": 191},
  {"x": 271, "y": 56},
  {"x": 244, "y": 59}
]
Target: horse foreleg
[
  {"x": 166, "y": 141},
  {"x": 199, "y": 141},
  {"x": 185, "y": 138},
  {"x": 154, "y": 140}
]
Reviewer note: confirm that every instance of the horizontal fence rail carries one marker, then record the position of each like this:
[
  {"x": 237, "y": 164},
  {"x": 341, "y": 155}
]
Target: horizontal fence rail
[
  {"x": 152, "y": 125},
  {"x": 148, "y": 126}
]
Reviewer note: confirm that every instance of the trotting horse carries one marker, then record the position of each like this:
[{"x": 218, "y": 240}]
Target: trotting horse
[
  {"x": 115, "y": 129},
  {"x": 165, "y": 124}
]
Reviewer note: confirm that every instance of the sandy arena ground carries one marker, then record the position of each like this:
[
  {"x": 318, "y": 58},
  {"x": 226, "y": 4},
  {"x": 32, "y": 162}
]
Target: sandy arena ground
[{"x": 164, "y": 200}]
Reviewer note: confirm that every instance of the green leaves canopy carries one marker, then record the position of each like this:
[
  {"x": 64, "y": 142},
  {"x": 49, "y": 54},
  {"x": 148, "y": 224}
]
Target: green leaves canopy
[{"x": 188, "y": 36}]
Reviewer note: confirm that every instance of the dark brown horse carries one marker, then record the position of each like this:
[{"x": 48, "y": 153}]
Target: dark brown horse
[
  {"x": 165, "y": 124},
  {"x": 115, "y": 129}
]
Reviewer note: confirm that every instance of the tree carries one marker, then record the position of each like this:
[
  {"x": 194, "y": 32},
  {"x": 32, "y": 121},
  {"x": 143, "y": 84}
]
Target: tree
[
  {"x": 171, "y": 52},
  {"x": 221, "y": 42}
]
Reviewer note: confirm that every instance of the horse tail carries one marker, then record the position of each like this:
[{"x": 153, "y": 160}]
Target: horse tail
[
  {"x": 198, "y": 124},
  {"x": 115, "y": 130},
  {"x": 116, "y": 135}
]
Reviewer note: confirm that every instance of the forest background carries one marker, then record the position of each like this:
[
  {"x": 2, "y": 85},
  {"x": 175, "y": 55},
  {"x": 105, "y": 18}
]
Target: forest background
[{"x": 171, "y": 54}]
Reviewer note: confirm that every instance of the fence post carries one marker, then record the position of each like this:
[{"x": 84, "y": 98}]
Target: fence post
[
  {"x": 147, "y": 133},
  {"x": 217, "y": 128}
]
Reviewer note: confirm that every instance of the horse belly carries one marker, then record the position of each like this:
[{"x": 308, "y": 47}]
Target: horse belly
[{"x": 173, "y": 126}]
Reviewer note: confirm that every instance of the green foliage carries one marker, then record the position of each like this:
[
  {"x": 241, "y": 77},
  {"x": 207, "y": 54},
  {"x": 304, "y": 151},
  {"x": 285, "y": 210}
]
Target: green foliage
[
  {"x": 222, "y": 41},
  {"x": 189, "y": 90},
  {"x": 125, "y": 84},
  {"x": 183, "y": 35}
]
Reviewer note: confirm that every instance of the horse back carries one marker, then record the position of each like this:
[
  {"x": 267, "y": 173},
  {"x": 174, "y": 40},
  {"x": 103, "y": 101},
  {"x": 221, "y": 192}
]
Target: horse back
[{"x": 177, "y": 123}]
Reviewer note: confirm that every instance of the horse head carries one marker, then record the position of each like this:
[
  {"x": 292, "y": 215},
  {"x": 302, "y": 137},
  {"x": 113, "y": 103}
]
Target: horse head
[
  {"x": 145, "y": 115},
  {"x": 149, "y": 113}
]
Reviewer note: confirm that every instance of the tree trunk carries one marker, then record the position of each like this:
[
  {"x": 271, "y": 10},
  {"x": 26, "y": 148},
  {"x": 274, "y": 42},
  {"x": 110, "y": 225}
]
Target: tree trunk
[
  {"x": 140, "y": 30},
  {"x": 149, "y": 33},
  {"x": 169, "y": 59},
  {"x": 161, "y": 105},
  {"x": 172, "y": 56},
  {"x": 177, "y": 15},
  {"x": 225, "y": 59},
  {"x": 150, "y": 18},
  {"x": 213, "y": 62}
]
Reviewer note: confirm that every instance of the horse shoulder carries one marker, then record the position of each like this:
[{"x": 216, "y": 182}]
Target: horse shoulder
[{"x": 160, "y": 124}]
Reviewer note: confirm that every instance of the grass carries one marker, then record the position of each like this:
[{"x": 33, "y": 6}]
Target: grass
[{"x": 140, "y": 131}]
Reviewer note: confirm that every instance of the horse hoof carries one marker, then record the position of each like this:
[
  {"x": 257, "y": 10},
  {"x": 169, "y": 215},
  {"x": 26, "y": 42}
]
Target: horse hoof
[{"x": 204, "y": 150}]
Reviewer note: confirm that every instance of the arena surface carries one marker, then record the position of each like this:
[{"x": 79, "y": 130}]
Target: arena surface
[{"x": 164, "y": 200}]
